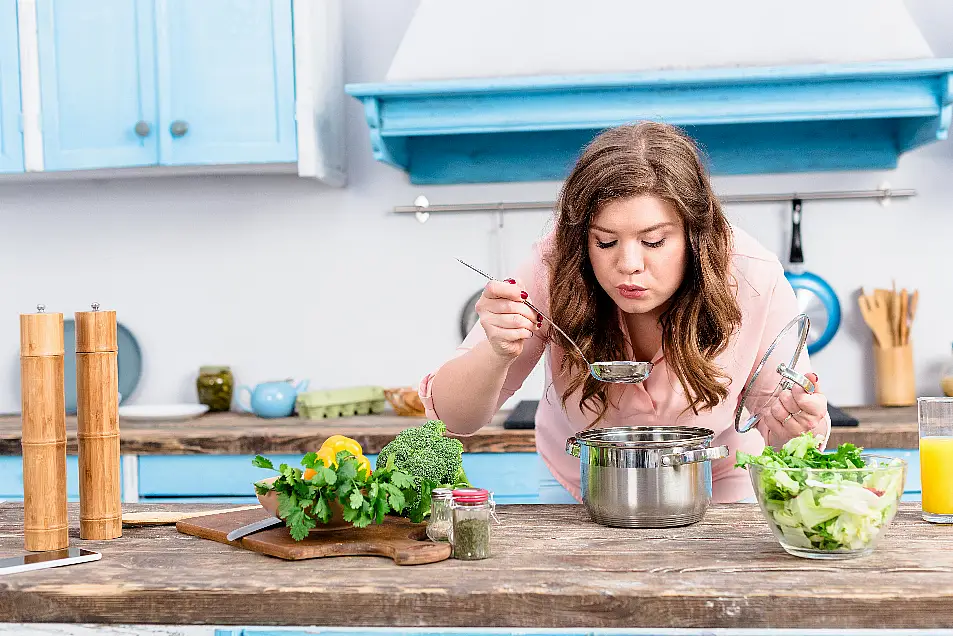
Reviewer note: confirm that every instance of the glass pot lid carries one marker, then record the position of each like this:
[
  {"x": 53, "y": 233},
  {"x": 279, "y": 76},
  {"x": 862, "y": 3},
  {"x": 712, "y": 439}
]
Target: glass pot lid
[{"x": 774, "y": 373}]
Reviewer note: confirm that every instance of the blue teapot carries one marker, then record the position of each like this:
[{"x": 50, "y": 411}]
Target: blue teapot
[{"x": 271, "y": 399}]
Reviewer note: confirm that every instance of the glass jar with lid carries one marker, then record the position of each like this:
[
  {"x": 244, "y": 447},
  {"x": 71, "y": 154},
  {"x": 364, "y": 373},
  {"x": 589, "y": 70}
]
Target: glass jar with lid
[
  {"x": 214, "y": 386},
  {"x": 441, "y": 514},
  {"x": 470, "y": 533}
]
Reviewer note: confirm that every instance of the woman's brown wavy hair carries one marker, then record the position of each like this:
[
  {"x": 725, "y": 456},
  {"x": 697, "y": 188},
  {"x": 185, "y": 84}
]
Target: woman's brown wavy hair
[{"x": 661, "y": 160}]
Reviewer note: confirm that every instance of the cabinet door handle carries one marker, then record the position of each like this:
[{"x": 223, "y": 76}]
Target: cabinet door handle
[
  {"x": 179, "y": 128},
  {"x": 142, "y": 128}
]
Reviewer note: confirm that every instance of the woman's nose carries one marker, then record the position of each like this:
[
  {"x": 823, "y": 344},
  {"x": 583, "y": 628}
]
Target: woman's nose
[{"x": 632, "y": 259}]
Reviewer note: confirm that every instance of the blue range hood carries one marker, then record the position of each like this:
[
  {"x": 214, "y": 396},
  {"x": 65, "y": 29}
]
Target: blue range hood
[{"x": 748, "y": 120}]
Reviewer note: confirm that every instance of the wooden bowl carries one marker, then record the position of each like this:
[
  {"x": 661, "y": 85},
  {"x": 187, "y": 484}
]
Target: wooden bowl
[
  {"x": 270, "y": 503},
  {"x": 405, "y": 401}
]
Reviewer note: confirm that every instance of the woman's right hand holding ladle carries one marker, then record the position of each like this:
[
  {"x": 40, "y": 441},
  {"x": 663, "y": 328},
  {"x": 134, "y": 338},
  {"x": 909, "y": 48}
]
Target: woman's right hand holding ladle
[
  {"x": 506, "y": 319},
  {"x": 509, "y": 313}
]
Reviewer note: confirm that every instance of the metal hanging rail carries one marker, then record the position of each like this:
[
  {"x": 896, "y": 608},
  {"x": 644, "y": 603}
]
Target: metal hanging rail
[{"x": 422, "y": 205}]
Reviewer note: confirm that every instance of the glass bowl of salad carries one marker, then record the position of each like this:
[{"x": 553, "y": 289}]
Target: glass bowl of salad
[{"x": 832, "y": 505}]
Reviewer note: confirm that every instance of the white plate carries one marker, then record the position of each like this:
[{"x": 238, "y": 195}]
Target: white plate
[{"x": 161, "y": 412}]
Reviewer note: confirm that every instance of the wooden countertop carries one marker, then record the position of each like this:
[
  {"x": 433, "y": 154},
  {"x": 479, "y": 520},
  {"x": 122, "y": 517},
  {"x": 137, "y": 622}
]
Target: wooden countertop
[
  {"x": 234, "y": 433},
  {"x": 551, "y": 568}
]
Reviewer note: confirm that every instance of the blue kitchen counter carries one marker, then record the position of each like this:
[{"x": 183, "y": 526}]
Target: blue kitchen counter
[{"x": 209, "y": 459}]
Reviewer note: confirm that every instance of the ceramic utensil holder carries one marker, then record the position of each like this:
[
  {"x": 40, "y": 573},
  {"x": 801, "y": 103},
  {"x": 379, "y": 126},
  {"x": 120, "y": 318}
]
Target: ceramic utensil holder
[
  {"x": 97, "y": 414},
  {"x": 43, "y": 440},
  {"x": 896, "y": 382}
]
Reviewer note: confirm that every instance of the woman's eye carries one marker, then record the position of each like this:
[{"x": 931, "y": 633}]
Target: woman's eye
[
  {"x": 658, "y": 243},
  {"x": 603, "y": 246}
]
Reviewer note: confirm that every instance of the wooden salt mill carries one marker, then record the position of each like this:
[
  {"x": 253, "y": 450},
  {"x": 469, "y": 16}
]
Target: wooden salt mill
[
  {"x": 97, "y": 411},
  {"x": 43, "y": 401}
]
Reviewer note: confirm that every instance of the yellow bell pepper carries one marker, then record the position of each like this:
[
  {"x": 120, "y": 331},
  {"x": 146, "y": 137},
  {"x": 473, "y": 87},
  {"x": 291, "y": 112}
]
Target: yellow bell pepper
[
  {"x": 339, "y": 443},
  {"x": 332, "y": 446}
]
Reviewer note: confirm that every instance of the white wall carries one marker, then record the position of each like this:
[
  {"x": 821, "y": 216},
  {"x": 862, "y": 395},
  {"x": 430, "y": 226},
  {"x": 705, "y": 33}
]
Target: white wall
[{"x": 280, "y": 277}]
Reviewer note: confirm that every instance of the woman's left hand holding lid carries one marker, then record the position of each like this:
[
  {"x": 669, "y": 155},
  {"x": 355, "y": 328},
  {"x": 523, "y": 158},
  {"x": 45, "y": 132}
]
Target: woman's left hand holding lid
[{"x": 796, "y": 411}]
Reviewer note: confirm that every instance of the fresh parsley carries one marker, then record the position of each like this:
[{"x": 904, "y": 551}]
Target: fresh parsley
[{"x": 364, "y": 498}]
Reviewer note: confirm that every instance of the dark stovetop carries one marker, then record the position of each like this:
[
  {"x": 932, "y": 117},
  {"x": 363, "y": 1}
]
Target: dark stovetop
[{"x": 523, "y": 416}]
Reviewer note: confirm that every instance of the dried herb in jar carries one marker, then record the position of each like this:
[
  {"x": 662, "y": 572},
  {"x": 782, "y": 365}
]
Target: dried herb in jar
[{"x": 471, "y": 539}]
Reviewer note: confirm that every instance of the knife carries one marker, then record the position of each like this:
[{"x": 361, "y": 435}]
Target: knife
[{"x": 252, "y": 528}]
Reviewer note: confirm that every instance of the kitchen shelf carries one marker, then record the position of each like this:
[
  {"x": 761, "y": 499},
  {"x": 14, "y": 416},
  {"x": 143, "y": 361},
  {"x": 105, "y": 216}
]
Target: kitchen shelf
[{"x": 748, "y": 120}]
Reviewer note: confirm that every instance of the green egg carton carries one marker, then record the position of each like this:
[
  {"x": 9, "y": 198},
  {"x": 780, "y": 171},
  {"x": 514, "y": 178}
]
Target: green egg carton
[{"x": 359, "y": 400}]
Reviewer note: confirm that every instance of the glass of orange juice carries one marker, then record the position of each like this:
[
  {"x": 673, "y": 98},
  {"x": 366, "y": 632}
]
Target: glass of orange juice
[{"x": 935, "y": 419}]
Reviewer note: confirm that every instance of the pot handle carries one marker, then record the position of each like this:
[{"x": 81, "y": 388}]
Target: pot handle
[
  {"x": 572, "y": 447},
  {"x": 693, "y": 456}
]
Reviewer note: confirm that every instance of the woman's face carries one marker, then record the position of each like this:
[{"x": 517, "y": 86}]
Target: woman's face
[{"x": 637, "y": 251}]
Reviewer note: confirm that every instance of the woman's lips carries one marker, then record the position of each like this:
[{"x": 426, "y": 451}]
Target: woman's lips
[{"x": 631, "y": 291}]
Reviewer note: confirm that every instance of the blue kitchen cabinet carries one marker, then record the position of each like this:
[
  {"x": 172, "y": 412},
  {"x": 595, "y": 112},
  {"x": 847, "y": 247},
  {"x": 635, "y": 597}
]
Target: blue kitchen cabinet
[
  {"x": 226, "y": 82},
  {"x": 136, "y": 83},
  {"x": 11, "y": 137},
  {"x": 11, "y": 477},
  {"x": 512, "y": 477},
  {"x": 178, "y": 476},
  {"x": 97, "y": 83}
]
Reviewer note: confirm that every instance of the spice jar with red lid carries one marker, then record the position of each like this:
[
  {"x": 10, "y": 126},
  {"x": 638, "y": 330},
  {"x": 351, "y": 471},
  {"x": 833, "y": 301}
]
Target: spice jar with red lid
[{"x": 470, "y": 533}]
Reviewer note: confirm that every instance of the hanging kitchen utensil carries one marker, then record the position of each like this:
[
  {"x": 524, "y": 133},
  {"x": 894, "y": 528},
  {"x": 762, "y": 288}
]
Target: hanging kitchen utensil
[
  {"x": 620, "y": 372},
  {"x": 815, "y": 296},
  {"x": 469, "y": 317},
  {"x": 876, "y": 314},
  {"x": 774, "y": 374}
]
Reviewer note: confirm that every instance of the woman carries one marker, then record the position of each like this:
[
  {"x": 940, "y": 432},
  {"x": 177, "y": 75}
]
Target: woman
[{"x": 642, "y": 265}]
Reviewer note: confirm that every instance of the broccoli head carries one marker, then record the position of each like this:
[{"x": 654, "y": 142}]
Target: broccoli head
[{"x": 430, "y": 458}]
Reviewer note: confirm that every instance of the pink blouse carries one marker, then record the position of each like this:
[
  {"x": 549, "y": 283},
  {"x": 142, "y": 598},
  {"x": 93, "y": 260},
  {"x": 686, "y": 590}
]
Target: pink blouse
[{"x": 767, "y": 303}]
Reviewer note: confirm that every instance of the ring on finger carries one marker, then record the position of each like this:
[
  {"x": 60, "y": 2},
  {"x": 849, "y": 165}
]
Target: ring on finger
[{"x": 790, "y": 415}]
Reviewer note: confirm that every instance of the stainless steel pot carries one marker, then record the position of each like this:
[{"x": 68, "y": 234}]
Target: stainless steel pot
[{"x": 645, "y": 476}]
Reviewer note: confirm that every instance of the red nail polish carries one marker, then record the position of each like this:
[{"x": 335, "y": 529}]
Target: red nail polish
[
  {"x": 510, "y": 281},
  {"x": 524, "y": 295}
]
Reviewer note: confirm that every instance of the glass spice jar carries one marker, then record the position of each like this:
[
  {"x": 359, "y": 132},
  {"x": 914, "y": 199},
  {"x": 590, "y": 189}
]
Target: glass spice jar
[
  {"x": 214, "y": 386},
  {"x": 470, "y": 533},
  {"x": 441, "y": 514}
]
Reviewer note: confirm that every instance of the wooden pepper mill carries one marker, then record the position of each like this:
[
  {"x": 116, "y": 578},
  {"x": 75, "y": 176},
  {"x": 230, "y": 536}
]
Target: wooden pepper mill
[
  {"x": 97, "y": 411},
  {"x": 43, "y": 401}
]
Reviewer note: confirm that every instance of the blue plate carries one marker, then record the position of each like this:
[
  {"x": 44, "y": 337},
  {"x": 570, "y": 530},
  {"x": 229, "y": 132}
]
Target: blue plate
[{"x": 130, "y": 363}]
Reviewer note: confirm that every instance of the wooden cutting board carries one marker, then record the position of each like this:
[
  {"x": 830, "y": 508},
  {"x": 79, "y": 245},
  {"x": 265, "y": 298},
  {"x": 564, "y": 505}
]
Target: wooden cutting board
[
  {"x": 397, "y": 538},
  {"x": 166, "y": 518}
]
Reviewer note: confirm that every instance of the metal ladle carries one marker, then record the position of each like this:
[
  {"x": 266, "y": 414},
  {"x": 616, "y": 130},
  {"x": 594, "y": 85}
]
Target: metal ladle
[{"x": 619, "y": 372}]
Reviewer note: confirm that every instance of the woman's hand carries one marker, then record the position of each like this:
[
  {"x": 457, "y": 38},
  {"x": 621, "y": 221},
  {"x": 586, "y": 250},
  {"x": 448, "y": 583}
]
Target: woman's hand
[
  {"x": 796, "y": 412},
  {"x": 506, "y": 320}
]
